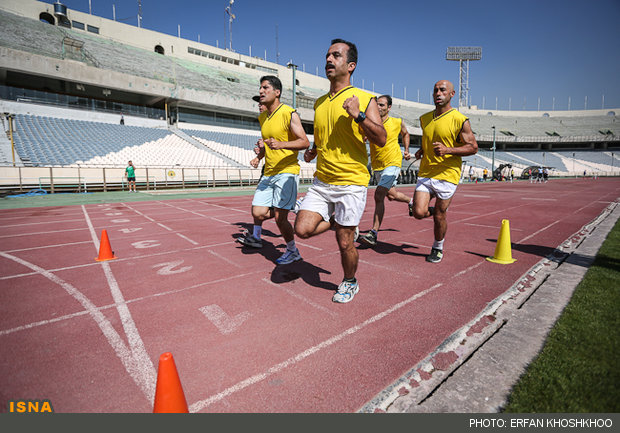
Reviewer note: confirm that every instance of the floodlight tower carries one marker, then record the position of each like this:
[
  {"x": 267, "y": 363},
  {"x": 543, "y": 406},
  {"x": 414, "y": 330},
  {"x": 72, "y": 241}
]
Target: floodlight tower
[
  {"x": 231, "y": 17},
  {"x": 463, "y": 55}
]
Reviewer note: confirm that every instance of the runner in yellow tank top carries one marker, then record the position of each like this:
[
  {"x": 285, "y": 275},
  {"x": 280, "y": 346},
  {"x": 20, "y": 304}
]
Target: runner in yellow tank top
[
  {"x": 342, "y": 119},
  {"x": 386, "y": 163},
  {"x": 282, "y": 138},
  {"x": 446, "y": 137}
]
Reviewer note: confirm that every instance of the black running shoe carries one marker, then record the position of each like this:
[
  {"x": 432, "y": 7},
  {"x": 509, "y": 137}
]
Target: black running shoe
[
  {"x": 369, "y": 238},
  {"x": 435, "y": 256},
  {"x": 410, "y": 206}
]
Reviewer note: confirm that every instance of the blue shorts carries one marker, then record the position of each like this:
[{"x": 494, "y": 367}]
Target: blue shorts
[
  {"x": 278, "y": 191},
  {"x": 388, "y": 177}
]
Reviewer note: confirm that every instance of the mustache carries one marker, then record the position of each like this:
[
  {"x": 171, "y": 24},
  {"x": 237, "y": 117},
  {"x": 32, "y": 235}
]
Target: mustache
[{"x": 329, "y": 65}]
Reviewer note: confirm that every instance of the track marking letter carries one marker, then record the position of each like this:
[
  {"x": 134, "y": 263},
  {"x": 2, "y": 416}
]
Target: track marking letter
[
  {"x": 167, "y": 268},
  {"x": 146, "y": 244},
  {"x": 224, "y": 323}
]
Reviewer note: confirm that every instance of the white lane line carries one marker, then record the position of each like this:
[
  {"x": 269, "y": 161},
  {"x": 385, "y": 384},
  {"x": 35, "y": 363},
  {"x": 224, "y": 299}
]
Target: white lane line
[
  {"x": 48, "y": 246},
  {"x": 476, "y": 196},
  {"x": 471, "y": 268},
  {"x": 161, "y": 225},
  {"x": 219, "y": 256},
  {"x": 308, "y": 246},
  {"x": 147, "y": 369},
  {"x": 201, "y": 404},
  {"x": 539, "y": 199},
  {"x": 40, "y": 233},
  {"x": 302, "y": 298},
  {"x": 187, "y": 239},
  {"x": 492, "y": 227},
  {"x": 41, "y": 222},
  {"x": 133, "y": 367}
]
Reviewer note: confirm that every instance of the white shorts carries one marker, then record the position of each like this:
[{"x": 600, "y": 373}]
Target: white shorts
[
  {"x": 345, "y": 202},
  {"x": 441, "y": 188},
  {"x": 278, "y": 191},
  {"x": 388, "y": 177}
]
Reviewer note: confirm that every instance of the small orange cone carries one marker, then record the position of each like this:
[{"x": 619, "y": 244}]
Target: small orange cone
[
  {"x": 169, "y": 396},
  {"x": 105, "y": 250},
  {"x": 503, "y": 254}
]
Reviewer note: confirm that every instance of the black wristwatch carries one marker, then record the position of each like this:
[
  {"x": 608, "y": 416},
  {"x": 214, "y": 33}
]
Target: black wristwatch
[{"x": 360, "y": 117}]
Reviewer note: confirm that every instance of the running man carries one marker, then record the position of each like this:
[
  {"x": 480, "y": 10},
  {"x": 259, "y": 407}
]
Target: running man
[
  {"x": 282, "y": 138},
  {"x": 342, "y": 118},
  {"x": 130, "y": 174},
  {"x": 446, "y": 137},
  {"x": 386, "y": 162}
]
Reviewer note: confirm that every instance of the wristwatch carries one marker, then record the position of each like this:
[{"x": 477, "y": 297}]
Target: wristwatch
[{"x": 360, "y": 117}]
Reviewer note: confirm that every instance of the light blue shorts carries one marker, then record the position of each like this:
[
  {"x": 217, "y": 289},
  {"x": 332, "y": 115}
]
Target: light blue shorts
[
  {"x": 388, "y": 177},
  {"x": 277, "y": 191}
]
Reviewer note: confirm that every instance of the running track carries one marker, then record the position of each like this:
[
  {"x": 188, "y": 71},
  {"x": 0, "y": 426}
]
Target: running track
[{"x": 248, "y": 336}]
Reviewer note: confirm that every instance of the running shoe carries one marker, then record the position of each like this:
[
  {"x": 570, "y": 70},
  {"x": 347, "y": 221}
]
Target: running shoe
[
  {"x": 431, "y": 210},
  {"x": 250, "y": 241},
  {"x": 346, "y": 292},
  {"x": 288, "y": 257},
  {"x": 435, "y": 256},
  {"x": 369, "y": 238},
  {"x": 357, "y": 234},
  {"x": 410, "y": 206}
]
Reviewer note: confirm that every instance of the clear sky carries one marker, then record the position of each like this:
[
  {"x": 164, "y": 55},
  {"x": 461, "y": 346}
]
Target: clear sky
[{"x": 531, "y": 49}]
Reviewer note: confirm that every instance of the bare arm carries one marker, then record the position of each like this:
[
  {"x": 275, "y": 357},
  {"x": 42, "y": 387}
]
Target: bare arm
[
  {"x": 405, "y": 136},
  {"x": 469, "y": 146},
  {"x": 372, "y": 125},
  {"x": 300, "y": 143}
]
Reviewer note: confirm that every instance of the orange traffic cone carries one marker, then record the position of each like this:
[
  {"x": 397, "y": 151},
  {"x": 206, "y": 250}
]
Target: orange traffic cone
[
  {"x": 105, "y": 250},
  {"x": 169, "y": 396},
  {"x": 503, "y": 254}
]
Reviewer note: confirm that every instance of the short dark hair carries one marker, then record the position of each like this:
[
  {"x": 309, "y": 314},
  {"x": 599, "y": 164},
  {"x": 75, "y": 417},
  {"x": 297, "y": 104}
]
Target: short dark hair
[
  {"x": 274, "y": 81},
  {"x": 352, "y": 54},
  {"x": 388, "y": 98}
]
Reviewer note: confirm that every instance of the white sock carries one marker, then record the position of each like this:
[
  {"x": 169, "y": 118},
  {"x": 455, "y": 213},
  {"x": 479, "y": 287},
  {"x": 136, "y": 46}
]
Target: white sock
[
  {"x": 438, "y": 245},
  {"x": 257, "y": 231},
  {"x": 291, "y": 245}
]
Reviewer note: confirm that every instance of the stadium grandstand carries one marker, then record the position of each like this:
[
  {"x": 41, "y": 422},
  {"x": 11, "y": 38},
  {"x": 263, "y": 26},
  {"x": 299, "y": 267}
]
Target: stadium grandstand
[{"x": 67, "y": 77}]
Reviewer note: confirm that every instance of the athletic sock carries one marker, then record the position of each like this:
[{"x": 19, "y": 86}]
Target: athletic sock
[
  {"x": 438, "y": 245},
  {"x": 257, "y": 231},
  {"x": 291, "y": 245},
  {"x": 350, "y": 280}
]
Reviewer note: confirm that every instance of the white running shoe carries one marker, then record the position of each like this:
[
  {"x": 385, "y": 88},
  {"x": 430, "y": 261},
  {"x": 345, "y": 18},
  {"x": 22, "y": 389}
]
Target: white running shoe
[
  {"x": 346, "y": 292},
  {"x": 289, "y": 257},
  {"x": 357, "y": 234}
]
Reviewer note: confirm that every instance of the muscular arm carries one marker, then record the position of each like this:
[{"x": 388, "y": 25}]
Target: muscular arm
[
  {"x": 405, "y": 136},
  {"x": 300, "y": 143},
  {"x": 372, "y": 125},
  {"x": 469, "y": 146}
]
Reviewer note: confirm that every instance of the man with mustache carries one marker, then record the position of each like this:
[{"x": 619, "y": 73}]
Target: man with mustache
[
  {"x": 446, "y": 137},
  {"x": 342, "y": 118}
]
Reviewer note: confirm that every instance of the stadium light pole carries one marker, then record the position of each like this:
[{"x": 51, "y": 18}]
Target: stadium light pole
[
  {"x": 293, "y": 66},
  {"x": 231, "y": 17},
  {"x": 463, "y": 55},
  {"x": 493, "y": 159}
]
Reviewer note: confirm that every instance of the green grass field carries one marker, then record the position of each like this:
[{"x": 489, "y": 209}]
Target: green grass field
[{"x": 578, "y": 369}]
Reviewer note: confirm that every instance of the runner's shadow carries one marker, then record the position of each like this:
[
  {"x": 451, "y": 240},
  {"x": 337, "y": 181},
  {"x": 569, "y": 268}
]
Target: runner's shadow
[
  {"x": 388, "y": 248},
  {"x": 309, "y": 273},
  {"x": 268, "y": 250}
]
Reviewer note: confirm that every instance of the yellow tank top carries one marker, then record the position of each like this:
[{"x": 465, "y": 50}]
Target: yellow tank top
[
  {"x": 342, "y": 158},
  {"x": 389, "y": 154},
  {"x": 278, "y": 126},
  {"x": 443, "y": 129}
]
